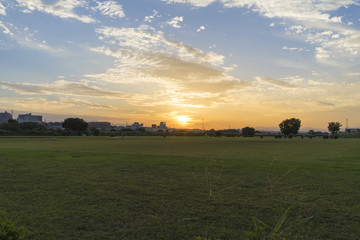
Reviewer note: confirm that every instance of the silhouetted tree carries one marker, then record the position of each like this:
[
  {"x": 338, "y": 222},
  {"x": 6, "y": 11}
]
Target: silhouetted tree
[
  {"x": 248, "y": 131},
  {"x": 334, "y": 128},
  {"x": 75, "y": 124},
  {"x": 290, "y": 126}
]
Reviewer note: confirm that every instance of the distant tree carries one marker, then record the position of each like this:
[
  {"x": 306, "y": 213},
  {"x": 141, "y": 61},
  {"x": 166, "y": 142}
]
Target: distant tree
[
  {"x": 75, "y": 124},
  {"x": 248, "y": 131},
  {"x": 211, "y": 132},
  {"x": 218, "y": 133},
  {"x": 12, "y": 121},
  {"x": 94, "y": 131},
  {"x": 334, "y": 128},
  {"x": 290, "y": 126}
]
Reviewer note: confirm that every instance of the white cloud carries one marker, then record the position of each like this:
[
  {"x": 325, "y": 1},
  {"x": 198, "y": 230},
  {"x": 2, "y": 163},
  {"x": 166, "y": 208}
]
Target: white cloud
[
  {"x": 111, "y": 9},
  {"x": 201, "y": 28},
  {"x": 196, "y": 3},
  {"x": 276, "y": 82},
  {"x": 26, "y": 38},
  {"x": 311, "y": 18},
  {"x": 272, "y": 25},
  {"x": 150, "y": 18},
  {"x": 84, "y": 103},
  {"x": 2, "y": 9},
  {"x": 147, "y": 39},
  {"x": 64, "y": 88},
  {"x": 175, "y": 22},
  {"x": 6, "y": 30},
  {"x": 61, "y": 8},
  {"x": 292, "y": 49},
  {"x": 297, "y": 29}
]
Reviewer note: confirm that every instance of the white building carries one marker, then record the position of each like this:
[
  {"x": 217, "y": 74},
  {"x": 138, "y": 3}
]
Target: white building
[
  {"x": 29, "y": 118},
  {"x": 5, "y": 117}
]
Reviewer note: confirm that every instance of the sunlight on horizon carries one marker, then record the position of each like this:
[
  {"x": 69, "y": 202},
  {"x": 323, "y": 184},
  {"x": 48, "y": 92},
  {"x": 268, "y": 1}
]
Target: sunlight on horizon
[{"x": 183, "y": 119}]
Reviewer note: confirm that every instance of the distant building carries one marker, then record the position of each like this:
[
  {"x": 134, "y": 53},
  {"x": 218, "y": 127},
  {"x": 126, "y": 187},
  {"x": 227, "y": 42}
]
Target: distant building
[
  {"x": 54, "y": 125},
  {"x": 352, "y": 130},
  {"x": 29, "y": 118},
  {"x": 102, "y": 126},
  {"x": 162, "y": 126},
  {"x": 5, "y": 117},
  {"x": 136, "y": 125}
]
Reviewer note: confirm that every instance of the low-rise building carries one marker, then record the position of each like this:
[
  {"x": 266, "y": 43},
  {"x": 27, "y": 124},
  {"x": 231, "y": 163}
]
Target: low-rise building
[
  {"x": 162, "y": 126},
  {"x": 54, "y": 125},
  {"x": 102, "y": 126},
  {"x": 5, "y": 117},
  {"x": 352, "y": 130},
  {"x": 136, "y": 125},
  {"x": 29, "y": 118}
]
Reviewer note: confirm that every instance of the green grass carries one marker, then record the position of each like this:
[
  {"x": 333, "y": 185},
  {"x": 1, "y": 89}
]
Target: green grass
[{"x": 179, "y": 187}]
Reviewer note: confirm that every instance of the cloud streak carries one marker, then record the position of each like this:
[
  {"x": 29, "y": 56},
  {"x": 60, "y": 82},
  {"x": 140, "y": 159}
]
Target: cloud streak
[
  {"x": 61, "y": 8},
  {"x": 2, "y": 9},
  {"x": 276, "y": 82},
  {"x": 111, "y": 9},
  {"x": 64, "y": 88},
  {"x": 175, "y": 22}
]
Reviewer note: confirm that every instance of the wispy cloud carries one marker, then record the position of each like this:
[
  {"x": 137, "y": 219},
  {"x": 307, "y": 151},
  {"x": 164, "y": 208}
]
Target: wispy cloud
[
  {"x": 64, "y": 88},
  {"x": 26, "y": 38},
  {"x": 312, "y": 19},
  {"x": 61, "y": 8},
  {"x": 87, "y": 104},
  {"x": 147, "y": 39},
  {"x": 6, "y": 30},
  {"x": 201, "y": 28},
  {"x": 111, "y": 9},
  {"x": 196, "y": 3},
  {"x": 175, "y": 22},
  {"x": 150, "y": 18},
  {"x": 2, "y": 9},
  {"x": 276, "y": 82}
]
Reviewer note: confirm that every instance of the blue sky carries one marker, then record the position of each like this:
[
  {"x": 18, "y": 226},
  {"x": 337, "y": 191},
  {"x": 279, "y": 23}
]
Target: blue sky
[{"x": 230, "y": 62}]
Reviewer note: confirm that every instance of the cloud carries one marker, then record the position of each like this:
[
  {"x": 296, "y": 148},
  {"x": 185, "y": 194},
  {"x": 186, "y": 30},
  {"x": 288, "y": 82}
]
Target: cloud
[
  {"x": 196, "y": 3},
  {"x": 276, "y": 82},
  {"x": 178, "y": 80},
  {"x": 150, "y": 18},
  {"x": 163, "y": 68},
  {"x": 311, "y": 18},
  {"x": 175, "y": 22},
  {"x": 2, "y": 9},
  {"x": 84, "y": 103},
  {"x": 201, "y": 28},
  {"x": 61, "y": 8},
  {"x": 26, "y": 38},
  {"x": 111, "y": 9},
  {"x": 326, "y": 104},
  {"x": 63, "y": 87},
  {"x": 6, "y": 30},
  {"x": 292, "y": 49},
  {"x": 147, "y": 39}
]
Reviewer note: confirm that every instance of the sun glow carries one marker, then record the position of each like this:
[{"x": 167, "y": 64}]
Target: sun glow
[{"x": 183, "y": 119}]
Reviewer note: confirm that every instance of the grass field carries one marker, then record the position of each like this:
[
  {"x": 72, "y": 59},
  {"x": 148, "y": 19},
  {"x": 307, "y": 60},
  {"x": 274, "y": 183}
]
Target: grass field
[{"x": 179, "y": 187}]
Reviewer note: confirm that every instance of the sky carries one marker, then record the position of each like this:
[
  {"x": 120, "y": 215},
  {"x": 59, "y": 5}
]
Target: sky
[{"x": 191, "y": 63}]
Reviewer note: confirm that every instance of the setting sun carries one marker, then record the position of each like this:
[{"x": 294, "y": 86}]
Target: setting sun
[{"x": 183, "y": 119}]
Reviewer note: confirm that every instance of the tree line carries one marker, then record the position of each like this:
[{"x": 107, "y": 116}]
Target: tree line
[{"x": 76, "y": 126}]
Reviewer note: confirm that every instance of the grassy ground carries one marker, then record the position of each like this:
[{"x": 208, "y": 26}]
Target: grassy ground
[{"x": 179, "y": 187}]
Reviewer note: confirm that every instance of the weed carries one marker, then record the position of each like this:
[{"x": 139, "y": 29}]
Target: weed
[{"x": 9, "y": 230}]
